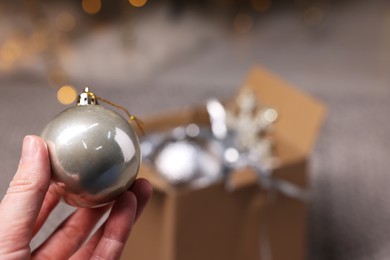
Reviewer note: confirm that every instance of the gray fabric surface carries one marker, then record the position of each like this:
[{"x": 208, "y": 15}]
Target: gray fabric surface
[{"x": 344, "y": 63}]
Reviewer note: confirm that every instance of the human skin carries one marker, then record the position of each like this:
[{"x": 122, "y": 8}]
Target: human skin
[{"x": 30, "y": 199}]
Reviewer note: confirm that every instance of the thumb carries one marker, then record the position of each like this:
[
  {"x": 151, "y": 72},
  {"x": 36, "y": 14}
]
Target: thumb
[{"x": 23, "y": 200}]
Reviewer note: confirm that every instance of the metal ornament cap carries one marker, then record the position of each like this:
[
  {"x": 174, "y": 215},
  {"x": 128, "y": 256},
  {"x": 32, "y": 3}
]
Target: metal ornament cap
[{"x": 95, "y": 154}]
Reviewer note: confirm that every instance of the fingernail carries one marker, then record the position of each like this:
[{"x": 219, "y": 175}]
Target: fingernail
[{"x": 30, "y": 149}]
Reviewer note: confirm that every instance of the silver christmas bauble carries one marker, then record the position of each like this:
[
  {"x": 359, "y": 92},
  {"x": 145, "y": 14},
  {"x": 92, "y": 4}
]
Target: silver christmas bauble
[{"x": 94, "y": 152}]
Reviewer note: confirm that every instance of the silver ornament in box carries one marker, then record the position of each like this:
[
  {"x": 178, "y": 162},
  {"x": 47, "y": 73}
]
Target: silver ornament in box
[{"x": 94, "y": 152}]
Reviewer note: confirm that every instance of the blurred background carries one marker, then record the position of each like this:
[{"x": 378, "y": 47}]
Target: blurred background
[{"x": 152, "y": 56}]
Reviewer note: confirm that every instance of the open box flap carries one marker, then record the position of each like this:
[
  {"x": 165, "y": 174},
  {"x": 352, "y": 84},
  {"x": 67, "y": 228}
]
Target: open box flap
[{"x": 300, "y": 116}]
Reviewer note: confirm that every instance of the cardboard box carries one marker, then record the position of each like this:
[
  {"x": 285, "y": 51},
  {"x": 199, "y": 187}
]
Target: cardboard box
[{"x": 211, "y": 223}]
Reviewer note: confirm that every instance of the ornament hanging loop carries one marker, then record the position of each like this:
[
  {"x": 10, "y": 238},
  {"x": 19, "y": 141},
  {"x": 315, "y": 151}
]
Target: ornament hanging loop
[{"x": 89, "y": 98}]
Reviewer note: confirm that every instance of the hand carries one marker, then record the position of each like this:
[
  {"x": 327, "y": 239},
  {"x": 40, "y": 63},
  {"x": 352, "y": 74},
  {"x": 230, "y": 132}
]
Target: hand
[{"x": 30, "y": 199}]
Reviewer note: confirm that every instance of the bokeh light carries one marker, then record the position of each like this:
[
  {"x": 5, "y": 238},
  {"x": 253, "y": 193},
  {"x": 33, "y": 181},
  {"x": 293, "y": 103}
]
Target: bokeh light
[
  {"x": 137, "y": 3},
  {"x": 67, "y": 94},
  {"x": 65, "y": 22},
  {"x": 91, "y": 6},
  {"x": 10, "y": 52},
  {"x": 38, "y": 41},
  {"x": 261, "y": 5},
  {"x": 313, "y": 16},
  {"x": 243, "y": 23}
]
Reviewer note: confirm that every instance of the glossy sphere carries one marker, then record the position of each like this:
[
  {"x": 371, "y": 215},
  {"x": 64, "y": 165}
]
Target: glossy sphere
[{"x": 95, "y": 155}]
